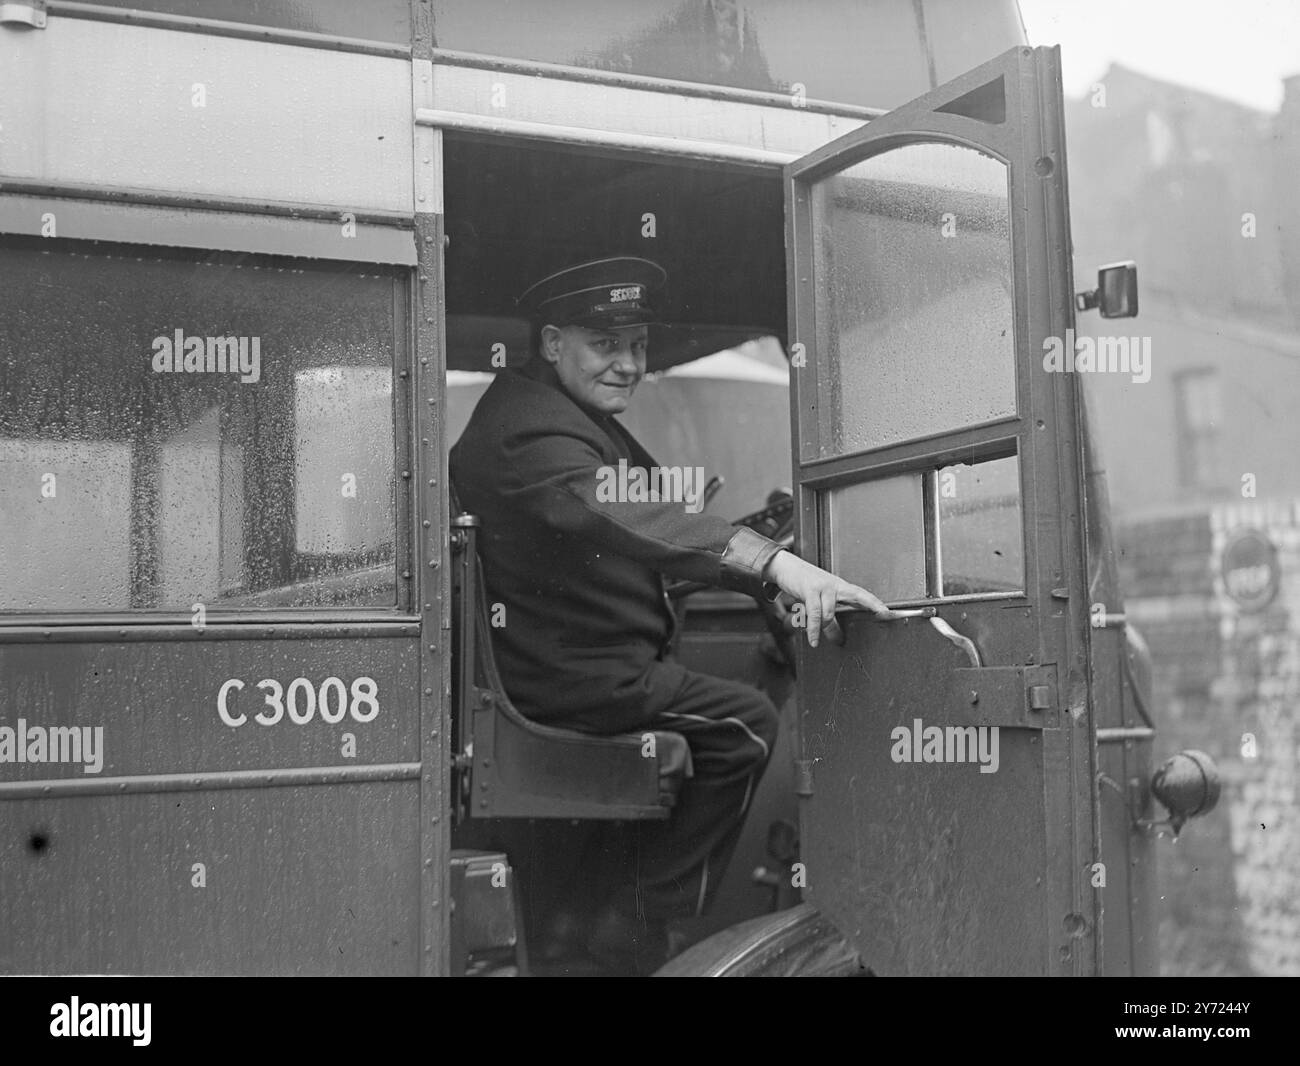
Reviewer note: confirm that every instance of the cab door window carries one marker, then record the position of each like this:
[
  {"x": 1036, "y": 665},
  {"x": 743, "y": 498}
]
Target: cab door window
[{"x": 914, "y": 322}]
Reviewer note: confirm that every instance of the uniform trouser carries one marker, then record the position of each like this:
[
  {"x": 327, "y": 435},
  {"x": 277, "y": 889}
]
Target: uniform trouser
[{"x": 678, "y": 864}]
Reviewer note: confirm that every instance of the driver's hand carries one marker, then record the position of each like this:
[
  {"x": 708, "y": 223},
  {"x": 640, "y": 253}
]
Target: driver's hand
[{"x": 821, "y": 594}]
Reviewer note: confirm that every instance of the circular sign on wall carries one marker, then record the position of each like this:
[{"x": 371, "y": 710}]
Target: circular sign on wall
[{"x": 1250, "y": 570}]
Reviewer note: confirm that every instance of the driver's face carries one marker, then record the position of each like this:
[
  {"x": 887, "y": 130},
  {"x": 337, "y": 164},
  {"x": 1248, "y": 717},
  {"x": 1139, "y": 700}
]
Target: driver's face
[{"x": 600, "y": 368}]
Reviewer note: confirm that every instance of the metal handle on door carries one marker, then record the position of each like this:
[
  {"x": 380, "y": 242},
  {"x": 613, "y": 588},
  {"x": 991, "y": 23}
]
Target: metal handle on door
[
  {"x": 942, "y": 628},
  {"x": 952, "y": 636}
]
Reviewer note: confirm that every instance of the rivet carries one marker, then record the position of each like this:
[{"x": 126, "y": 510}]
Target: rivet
[{"x": 406, "y": 474}]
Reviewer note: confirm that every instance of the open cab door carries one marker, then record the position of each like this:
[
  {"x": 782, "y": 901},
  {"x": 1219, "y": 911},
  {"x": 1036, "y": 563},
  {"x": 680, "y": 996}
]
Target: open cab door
[{"x": 948, "y": 816}]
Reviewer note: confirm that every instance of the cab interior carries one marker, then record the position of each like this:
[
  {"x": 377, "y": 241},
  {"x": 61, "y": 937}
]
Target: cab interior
[{"x": 716, "y": 394}]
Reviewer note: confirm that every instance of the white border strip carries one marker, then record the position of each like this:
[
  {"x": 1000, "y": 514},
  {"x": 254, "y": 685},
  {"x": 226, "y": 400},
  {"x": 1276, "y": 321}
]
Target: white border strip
[{"x": 632, "y": 142}]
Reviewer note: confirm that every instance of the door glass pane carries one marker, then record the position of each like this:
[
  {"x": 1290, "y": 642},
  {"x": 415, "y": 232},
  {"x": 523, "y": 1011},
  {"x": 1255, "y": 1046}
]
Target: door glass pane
[
  {"x": 877, "y": 536},
  {"x": 176, "y": 430},
  {"x": 912, "y": 266},
  {"x": 980, "y": 540}
]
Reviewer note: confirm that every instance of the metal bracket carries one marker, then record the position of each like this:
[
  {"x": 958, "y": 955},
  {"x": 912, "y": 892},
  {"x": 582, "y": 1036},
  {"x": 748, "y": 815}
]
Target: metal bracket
[
  {"x": 23, "y": 13},
  {"x": 1017, "y": 697}
]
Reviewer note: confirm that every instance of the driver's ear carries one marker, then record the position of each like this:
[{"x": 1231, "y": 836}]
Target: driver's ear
[{"x": 552, "y": 343}]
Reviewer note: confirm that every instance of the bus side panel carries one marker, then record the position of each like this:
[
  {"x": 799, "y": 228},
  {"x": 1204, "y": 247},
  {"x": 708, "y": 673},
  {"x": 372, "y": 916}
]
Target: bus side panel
[
  {"x": 143, "y": 832},
  {"x": 289, "y": 881}
]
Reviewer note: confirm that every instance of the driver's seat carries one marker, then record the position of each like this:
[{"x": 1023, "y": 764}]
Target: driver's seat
[{"x": 511, "y": 767}]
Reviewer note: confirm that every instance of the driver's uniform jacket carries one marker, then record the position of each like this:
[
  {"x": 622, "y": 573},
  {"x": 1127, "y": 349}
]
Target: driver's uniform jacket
[{"x": 581, "y": 623}]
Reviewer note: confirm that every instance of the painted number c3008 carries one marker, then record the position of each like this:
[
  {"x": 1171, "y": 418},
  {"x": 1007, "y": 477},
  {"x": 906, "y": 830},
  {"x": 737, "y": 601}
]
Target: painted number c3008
[{"x": 301, "y": 701}]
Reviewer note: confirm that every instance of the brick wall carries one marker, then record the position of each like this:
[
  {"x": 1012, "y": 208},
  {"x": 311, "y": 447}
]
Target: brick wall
[{"x": 1230, "y": 886}]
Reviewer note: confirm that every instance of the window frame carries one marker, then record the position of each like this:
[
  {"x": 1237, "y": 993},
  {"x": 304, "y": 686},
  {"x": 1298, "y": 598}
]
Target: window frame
[{"x": 142, "y": 559}]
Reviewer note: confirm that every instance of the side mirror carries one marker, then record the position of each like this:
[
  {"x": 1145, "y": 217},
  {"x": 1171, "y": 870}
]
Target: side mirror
[
  {"x": 1188, "y": 785},
  {"x": 1116, "y": 294}
]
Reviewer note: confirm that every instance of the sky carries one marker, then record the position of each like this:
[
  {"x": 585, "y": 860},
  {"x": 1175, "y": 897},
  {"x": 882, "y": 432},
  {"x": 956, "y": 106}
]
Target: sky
[{"x": 1238, "y": 49}]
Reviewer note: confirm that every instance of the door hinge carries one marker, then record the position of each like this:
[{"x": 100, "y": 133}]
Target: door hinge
[
  {"x": 23, "y": 13},
  {"x": 803, "y": 777}
]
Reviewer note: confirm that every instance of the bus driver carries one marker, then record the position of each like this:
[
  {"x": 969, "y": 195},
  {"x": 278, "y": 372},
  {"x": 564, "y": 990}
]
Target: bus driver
[{"x": 588, "y": 625}]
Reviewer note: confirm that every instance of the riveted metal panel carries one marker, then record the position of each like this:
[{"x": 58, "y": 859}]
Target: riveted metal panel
[
  {"x": 157, "y": 702},
  {"x": 430, "y": 446},
  {"x": 292, "y": 881},
  {"x": 426, "y": 400},
  {"x": 307, "y": 830},
  {"x": 123, "y": 106}
]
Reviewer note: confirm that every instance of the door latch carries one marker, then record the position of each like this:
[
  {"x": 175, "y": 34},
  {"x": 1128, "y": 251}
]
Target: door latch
[{"x": 1018, "y": 697}]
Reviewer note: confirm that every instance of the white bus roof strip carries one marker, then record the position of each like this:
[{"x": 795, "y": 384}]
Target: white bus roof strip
[{"x": 636, "y": 142}]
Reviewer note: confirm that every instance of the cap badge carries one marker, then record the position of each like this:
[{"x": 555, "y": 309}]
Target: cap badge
[{"x": 630, "y": 292}]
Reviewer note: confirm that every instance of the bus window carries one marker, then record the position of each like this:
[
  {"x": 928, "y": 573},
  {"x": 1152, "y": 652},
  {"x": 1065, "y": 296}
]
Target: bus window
[{"x": 179, "y": 428}]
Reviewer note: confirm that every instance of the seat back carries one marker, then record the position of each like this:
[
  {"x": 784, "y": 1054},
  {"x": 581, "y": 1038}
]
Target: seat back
[{"x": 511, "y": 767}]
